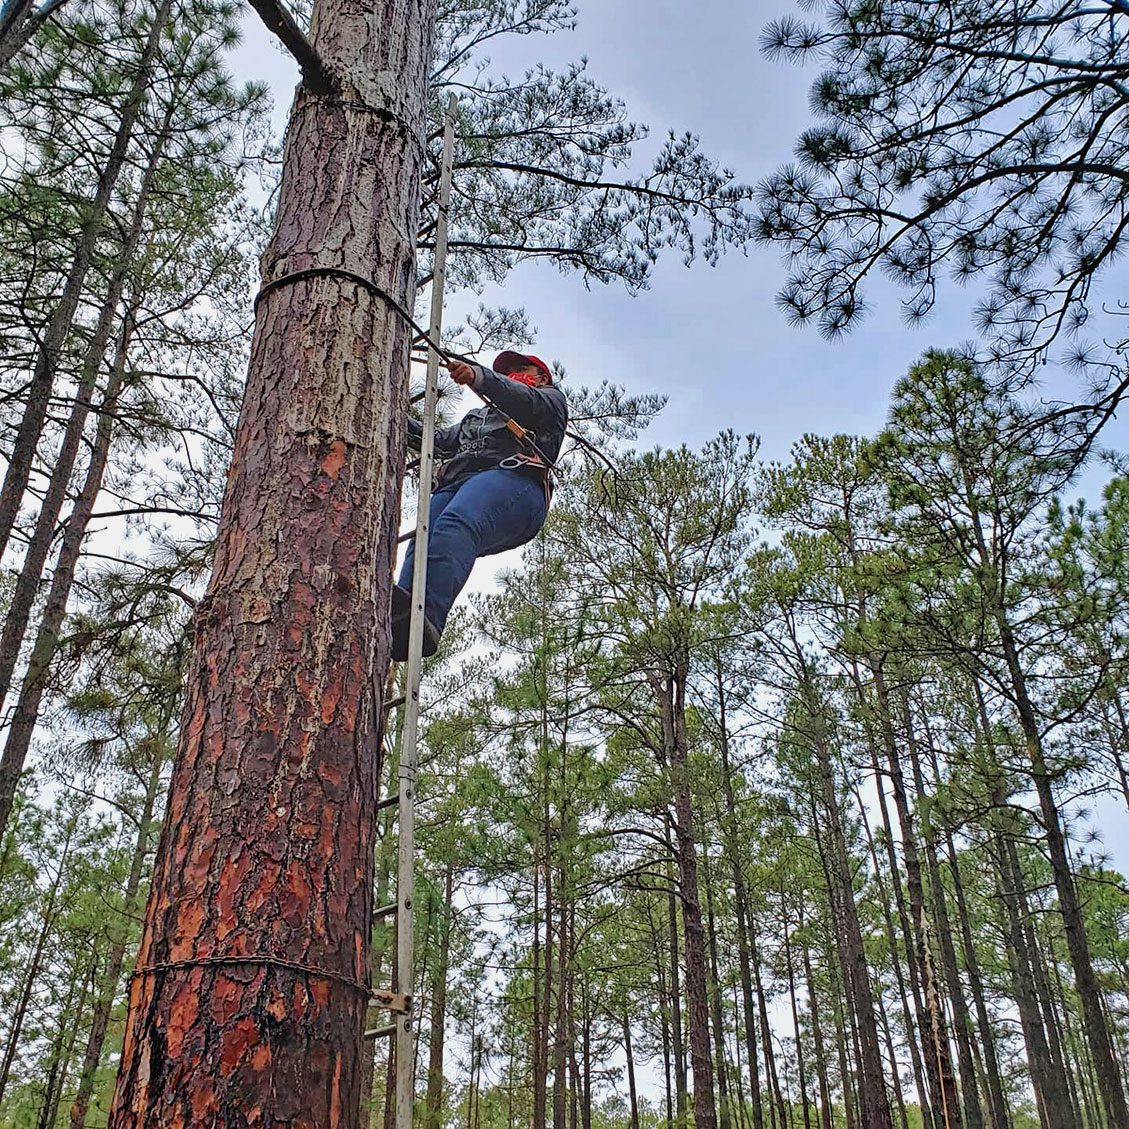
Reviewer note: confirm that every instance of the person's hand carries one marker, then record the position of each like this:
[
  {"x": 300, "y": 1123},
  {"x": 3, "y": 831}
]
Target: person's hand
[{"x": 461, "y": 372}]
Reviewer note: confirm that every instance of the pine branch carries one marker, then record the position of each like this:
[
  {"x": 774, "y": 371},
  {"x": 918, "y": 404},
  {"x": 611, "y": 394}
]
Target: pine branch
[{"x": 278, "y": 20}]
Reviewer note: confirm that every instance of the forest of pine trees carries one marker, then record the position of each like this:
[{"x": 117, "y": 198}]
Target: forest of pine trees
[{"x": 786, "y": 805}]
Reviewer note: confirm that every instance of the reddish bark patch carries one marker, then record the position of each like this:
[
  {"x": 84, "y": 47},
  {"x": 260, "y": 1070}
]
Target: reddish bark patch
[
  {"x": 335, "y": 459},
  {"x": 235, "y": 1039}
]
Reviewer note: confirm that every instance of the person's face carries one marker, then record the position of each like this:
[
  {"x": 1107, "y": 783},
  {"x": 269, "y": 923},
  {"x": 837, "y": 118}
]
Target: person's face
[{"x": 533, "y": 370}]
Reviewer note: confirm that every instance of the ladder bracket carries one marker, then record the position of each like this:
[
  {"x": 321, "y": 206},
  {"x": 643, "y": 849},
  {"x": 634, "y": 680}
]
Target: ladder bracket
[{"x": 399, "y": 1002}]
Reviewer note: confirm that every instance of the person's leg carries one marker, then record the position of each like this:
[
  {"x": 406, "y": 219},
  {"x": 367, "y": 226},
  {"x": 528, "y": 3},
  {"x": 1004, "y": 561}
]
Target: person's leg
[
  {"x": 492, "y": 511},
  {"x": 440, "y": 500}
]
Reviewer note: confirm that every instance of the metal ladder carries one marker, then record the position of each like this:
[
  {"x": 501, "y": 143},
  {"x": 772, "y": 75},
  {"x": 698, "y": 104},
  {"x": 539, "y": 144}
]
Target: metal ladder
[{"x": 399, "y": 999}]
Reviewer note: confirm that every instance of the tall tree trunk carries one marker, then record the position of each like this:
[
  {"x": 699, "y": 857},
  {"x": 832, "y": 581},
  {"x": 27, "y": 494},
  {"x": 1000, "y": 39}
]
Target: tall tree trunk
[
  {"x": 676, "y": 1029},
  {"x": 46, "y": 523},
  {"x": 775, "y": 1096},
  {"x": 47, "y": 637},
  {"x": 266, "y": 856},
  {"x": 62, "y": 317},
  {"x": 1077, "y": 943},
  {"x": 1052, "y": 1097},
  {"x": 433, "y": 1106},
  {"x": 740, "y": 907},
  {"x": 801, "y": 1066},
  {"x": 899, "y": 977},
  {"x": 817, "y": 1035},
  {"x": 932, "y": 1023},
  {"x": 962, "y": 1024},
  {"x": 108, "y": 989},
  {"x": 35, "y": 965},
  {"x": 633, "y": 1095},
  {"x": 561, "y": 1039},
  {"x": 997, "y": 1105},
  {"x": 672, "y": 701},
  {"x": 56, "y": 1066},
  {"x": 724, "y": 1120},
  {"x": 874, "y": 1106}
]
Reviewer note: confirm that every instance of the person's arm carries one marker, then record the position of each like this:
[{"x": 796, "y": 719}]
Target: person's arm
[
  {"x": 543, "y": 410},
  {"x": 446, "y": 438}
]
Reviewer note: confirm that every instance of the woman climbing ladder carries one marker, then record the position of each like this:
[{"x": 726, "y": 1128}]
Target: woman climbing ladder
[{"x": 493, "y": 490}]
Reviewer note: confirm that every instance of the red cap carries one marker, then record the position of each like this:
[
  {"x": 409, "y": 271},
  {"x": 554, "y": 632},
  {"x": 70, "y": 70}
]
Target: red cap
[{"x": 509, "y": 361}]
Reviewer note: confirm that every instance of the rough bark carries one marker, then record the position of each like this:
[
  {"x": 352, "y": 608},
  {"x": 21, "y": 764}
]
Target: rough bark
[
  {"x": 267, "y": 851},
  {"x": 20, "y": 21}
]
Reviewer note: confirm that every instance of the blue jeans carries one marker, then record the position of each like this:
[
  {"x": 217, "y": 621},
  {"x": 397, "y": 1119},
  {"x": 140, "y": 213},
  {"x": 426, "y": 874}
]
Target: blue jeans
[{"x": 489, "y": 512}]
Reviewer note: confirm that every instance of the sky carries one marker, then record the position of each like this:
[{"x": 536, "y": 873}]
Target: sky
[{"x": 709, "y": 338}]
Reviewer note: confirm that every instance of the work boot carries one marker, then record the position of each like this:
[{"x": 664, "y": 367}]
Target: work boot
[{"x": 401, "y": 622}]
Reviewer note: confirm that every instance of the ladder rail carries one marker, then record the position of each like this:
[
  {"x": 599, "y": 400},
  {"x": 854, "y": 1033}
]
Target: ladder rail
[{"x": 409, "y": 754}]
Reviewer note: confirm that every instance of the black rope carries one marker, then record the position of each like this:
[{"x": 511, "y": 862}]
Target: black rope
[
  {"x": 385, "y": 113},
  {"x": 254, "y": 958},
  {"x": 393, "y": 304}
]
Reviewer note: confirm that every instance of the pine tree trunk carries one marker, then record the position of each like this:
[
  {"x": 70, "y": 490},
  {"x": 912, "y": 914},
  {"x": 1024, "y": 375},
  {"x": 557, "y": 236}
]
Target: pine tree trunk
[
  {"x": 932, "y": 1023},
  {"x": 775, "y": 1097},
  {"x": 973, "y": 1115},
  {"x": 630, "y": 1057},
  {"x": 874, "y": 1106},
  {"x": 671, "y": 694},
  {"x": 817, "y": 1036},
  {"x": 108, "y": 989},
  {"x": 56, "y": 1066},
  {"x": 47, "y": 639},
  {"x": 266, "y": 855},
  {"x": 724, "y": 1120},
  {"x": 801, "y": 1067},
  {"x": 34, "y": 968},
  {"x": 561, "y": 1024},
  {"x": 997, "y": 1105},
  {"x": 679, "y": 1051},
  {"x": 841, "y": 1006},
  {"x": 1093, "y": 1016},
  {"x": 62, "y": 317},
  {"x": 899, "y": 977},
  {"x": 740, "y": 908},
  {"x": 433, "y": 1107},
  {"x": 47, "y": 522},
  {"x": 1052, "y": 1098}
]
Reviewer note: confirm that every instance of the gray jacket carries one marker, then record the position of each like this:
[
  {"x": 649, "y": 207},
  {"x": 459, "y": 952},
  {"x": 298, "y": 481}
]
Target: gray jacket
[{"x": 481, "y": 440}]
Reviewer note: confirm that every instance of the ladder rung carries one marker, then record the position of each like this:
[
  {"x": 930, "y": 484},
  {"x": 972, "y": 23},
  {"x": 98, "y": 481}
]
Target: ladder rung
[
  {"x": 381, "y": 1032},
  {"x": 395, "y": 703},
  {"x": 417, "y": 397},
  {"x": 399, "y": 1002},
  {"x": 405, "y": 537},
  {"x": 413, "y": 465},
  {"x": 389, "y": 802},
  {"x": 385, "y": 911}
]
